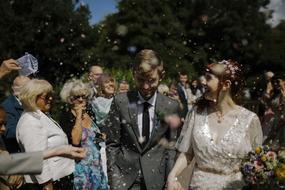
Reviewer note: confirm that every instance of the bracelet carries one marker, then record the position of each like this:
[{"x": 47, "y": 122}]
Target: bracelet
[{"x": 175, "y": 179}]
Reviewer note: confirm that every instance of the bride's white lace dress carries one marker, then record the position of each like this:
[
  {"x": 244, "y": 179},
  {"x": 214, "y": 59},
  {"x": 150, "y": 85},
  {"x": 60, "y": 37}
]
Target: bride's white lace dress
[{"x": 218, "y": 153}]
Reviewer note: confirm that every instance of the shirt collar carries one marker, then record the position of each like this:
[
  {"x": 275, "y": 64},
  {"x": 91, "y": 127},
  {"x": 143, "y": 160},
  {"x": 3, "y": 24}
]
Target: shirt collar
[
  {"x": 18, "y": 100},
  {"x": 151, "y": 101}
]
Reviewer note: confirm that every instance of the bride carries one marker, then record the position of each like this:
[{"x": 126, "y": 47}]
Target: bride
[{"x": 217, "y": 134}]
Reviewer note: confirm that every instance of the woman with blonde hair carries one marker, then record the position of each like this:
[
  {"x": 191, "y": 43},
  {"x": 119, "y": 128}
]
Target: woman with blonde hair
[
  {"x": 82, "y": 131},
  {"x": 37, "y": 131}
]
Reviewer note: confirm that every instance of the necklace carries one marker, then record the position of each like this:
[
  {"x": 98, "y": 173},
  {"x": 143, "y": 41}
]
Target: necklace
[{"x": 220, "y": 116}]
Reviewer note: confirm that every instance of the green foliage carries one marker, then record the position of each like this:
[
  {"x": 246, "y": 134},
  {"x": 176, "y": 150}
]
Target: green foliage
[
  {"x": 53, "y": 31},
  {"x": 273, "y": 51},
  {"x": 187, "y": 34}
]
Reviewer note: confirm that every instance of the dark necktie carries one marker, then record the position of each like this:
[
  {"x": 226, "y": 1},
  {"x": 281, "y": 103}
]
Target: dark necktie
[{"x": 146, "y": 120}]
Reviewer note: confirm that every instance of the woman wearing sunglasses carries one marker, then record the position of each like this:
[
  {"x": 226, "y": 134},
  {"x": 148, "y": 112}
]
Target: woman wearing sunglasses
[
  {"x": 82, "y": 131},
  {"x": 37, "y": 131}
]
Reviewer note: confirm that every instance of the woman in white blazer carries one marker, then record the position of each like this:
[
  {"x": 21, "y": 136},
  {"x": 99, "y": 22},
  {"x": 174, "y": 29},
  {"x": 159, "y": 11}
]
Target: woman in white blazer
[{"x": 36, "y": 131}]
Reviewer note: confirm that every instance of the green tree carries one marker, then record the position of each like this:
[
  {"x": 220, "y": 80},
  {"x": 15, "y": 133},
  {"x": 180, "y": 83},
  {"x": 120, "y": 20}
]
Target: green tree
[
  {"x": 188, "y": 34},
  {"x": 138, "y": 25},
  {"x": 56, "y": 32},
  {"x": 274, "y": 47},
  {"x": 220, "y": 29}
]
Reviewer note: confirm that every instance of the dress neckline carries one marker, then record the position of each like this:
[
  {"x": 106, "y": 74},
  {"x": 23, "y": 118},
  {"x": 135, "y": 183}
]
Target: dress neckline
[{"x": 218, "y": 141}]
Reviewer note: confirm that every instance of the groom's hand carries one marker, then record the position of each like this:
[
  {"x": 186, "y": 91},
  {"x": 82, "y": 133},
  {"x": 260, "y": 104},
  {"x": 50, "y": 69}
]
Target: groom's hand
[{"x": 173, "y": 120}]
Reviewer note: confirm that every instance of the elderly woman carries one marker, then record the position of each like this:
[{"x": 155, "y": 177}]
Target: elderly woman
[
  {"x": 36, "y": 131},
  {"x": 82, "y": 131}
]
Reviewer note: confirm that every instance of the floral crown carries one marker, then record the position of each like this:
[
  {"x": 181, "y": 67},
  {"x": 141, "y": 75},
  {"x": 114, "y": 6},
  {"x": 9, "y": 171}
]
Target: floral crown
[{"x": 228, "y": 69}]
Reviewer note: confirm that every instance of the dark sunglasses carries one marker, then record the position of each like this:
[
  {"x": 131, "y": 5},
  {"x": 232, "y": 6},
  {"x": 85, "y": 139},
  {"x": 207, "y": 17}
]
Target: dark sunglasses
[
  {"x": 3, "y": 123},
  {"x": 48, "y": 97},
  {"x": 84, "y": 97}
]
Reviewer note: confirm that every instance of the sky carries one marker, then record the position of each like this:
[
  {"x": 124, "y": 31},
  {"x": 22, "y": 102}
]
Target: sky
[
  {"x": 100, "y": 8},
  {"x": 279, "y": 11}
]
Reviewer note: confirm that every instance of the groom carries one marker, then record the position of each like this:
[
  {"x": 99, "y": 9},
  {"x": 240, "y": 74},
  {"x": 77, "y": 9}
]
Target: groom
[{"x": 139, "y": 138}]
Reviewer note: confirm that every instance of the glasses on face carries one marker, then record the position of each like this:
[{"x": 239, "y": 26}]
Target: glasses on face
[
  {"x": 165, "y": 93},
  {"x": 47, "y": 98},
  {"x": 84, "y": 97},
  {"x": 95, "y": 75},
  {"x": 3, "y": 123}
]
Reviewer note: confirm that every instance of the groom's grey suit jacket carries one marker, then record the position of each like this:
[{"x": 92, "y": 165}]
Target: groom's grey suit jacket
[{"x": 127, "y": 159}]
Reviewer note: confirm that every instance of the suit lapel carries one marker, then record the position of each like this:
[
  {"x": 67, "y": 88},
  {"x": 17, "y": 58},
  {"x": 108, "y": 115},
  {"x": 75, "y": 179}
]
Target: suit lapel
[
  {"x": 17, "y": 106},
  {"x": 133, "y": 114}
]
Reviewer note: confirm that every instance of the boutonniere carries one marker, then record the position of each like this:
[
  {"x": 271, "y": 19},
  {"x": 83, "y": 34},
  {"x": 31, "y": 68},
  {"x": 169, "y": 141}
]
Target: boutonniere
[{"x": 160, "y": 116}]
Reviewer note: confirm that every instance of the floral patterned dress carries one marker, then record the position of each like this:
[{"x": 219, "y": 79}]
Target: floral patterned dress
[{"x": 88, "y": 173}]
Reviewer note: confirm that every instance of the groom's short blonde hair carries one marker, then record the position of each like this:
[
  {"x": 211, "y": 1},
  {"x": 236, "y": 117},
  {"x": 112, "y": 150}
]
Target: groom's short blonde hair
[{"x": 147, "y": 60}]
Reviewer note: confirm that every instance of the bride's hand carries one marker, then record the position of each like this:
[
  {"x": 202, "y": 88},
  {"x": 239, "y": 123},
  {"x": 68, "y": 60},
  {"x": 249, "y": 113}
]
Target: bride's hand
[{"x": 173, "y": 184}]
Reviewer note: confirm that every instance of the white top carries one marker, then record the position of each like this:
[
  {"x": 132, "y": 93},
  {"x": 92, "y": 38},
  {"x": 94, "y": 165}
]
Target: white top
[
  {"x": 151, "y": 109},
  {"x": 37, "y": 132}
]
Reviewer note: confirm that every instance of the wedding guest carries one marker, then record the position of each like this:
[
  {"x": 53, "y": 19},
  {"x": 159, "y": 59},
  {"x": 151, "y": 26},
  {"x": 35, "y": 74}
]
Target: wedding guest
[
  {"x": 101, "y": 108},
  {"x": 217, "y": 134},
  {"x": 182, "y": 87},
  {"x": 123, "y": 86},
  {"x": 163, "y": 89},
  {"x": 173, "y": 94},
  {"x": 14, "y": 109},
  {"x": 37, "y": 131},
  {"x": 202, "y": 84},
  {"x": 30, "y": 163},
  {"x": 12, "y": 181},
  {"x": 275, "y": 127},
  {"x": 7, "y": 66},
  {"x": 95, "y": 72},
  {"x": 83, "y": 131},
  {"x": 193, "y": 93}
]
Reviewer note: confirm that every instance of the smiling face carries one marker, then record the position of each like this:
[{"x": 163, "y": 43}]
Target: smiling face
[
  {"x": 212, "y": 83},
  {"x": 95, "y": 73},
  {"x": 123, "y": 87},
  {"x": 79, "y": 98},
  {"x": 278, "y": 84},
  {"x": 147, "y": 83},
  {"x": 44, "y": 101},
  {"x": 194, "y": 83},
  {"x": 183, "y": 79},
  {"x": 109, "y": 88}
]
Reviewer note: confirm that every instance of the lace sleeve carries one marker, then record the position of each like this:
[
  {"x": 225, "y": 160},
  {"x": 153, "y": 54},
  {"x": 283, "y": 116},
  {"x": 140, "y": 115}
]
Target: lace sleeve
[
  {"x": 183, "y": 143},
  {"x": 255, "y": 132}
]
